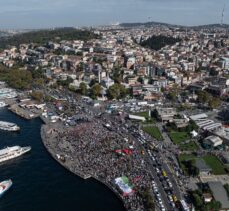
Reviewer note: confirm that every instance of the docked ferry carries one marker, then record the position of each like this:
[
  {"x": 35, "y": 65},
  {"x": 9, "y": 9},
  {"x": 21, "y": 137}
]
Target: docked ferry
[
  {"x": 7, "y": 93},
  {"x": 8, "y": 126},
  {"x": 13, "y": 152},
  {"x": 5, "y": 186}
]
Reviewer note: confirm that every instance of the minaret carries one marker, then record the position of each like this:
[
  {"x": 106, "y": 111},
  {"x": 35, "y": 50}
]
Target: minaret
[
  {"x": 99, "y": 74},
  {"x": 108, "y": 81}
]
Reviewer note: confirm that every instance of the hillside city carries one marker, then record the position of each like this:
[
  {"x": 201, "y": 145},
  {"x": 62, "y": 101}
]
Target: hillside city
[{"x": 142, "y": 109}]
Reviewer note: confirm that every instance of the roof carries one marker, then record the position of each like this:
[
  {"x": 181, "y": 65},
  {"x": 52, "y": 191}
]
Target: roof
[
  {"x": 219, "y": 193},
  {"x": 198, "y": 116},
  {"x": 202, "y": 166},
  {"x": 214, "y": 139}
]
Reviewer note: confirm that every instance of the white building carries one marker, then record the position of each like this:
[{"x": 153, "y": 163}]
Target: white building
[{"x": 213, "y": 141}]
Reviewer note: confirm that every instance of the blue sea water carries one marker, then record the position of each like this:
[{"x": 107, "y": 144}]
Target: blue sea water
[{"x": 40, "y": 183}]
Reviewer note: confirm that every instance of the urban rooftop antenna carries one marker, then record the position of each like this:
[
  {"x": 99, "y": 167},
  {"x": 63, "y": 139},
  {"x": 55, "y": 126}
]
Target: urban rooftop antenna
[{"x": 222, "y": 18}]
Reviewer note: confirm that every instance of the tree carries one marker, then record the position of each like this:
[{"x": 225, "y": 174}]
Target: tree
[
  {"x": 203, "y": 97},
  {"x": 116, "y": 91},
  {"x": 37, "y": 95},
  {"x": 66, "y": 82},
  {"x": 213, "y": 206},
  {"x": 140, "y": 80},
  {"x": 191, "y": 126},
  {"x": 158, "y": 42},
  {"x": 19, "y": 79},
  {"x": 198, "y": 202},
  {"x": 172, "y": 96},
  {"x": 96, "y": 90},
  {"x": 214, "y": 102},
  {"x": 83, "y": 88},
  {"x": 117, "y": 75}
]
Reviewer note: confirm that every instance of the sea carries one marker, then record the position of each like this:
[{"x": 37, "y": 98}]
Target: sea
[{"x": 40, "y": 183}]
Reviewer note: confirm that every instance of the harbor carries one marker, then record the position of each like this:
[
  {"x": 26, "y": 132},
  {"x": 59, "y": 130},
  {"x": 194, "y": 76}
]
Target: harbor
[{"x": 40, "y": 180}]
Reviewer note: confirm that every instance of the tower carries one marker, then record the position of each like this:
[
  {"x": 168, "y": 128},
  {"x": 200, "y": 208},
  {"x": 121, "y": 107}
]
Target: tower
[{"x": 222, "y": 17}]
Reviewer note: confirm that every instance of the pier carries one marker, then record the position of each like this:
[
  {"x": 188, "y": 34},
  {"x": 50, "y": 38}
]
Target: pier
[{"x": 24, "y": 113}]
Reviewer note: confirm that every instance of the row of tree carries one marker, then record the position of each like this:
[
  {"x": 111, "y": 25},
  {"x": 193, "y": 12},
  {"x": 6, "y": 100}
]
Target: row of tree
[
  {"x": 21, "y": 78},
  {"x": 206, "y": 98},
  {"x": 198, "y": 200},
  {"x": 116, "y": 91}
]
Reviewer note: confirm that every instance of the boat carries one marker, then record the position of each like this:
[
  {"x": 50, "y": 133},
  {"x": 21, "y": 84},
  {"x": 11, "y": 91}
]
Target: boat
[
  {"x": 8, "y": 126},
  {"x": 5, "y": 186},
  {"x": 12, "y": 152},
  {"x": 7, "y": 93},
  {"x": 2, "y": 104}
]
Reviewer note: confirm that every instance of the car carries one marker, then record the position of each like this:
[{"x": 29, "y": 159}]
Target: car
[
  {"x": 155, "y": 190},
  {"x": 170, "y": 198},
  {"x": 174, "y": 198},
  {"x": 173, "y": 204},
  {"x": 158, "y": 194},
  {"x": 170, "y": 184}
]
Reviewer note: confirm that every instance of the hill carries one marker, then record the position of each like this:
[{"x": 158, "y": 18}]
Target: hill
[
  {"x": 151, "y": 24},
  {"x": 43, "y": 36}
]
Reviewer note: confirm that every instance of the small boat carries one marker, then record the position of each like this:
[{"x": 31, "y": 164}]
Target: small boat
[
  {"x": 5, "y": 186},
  {"x": 8, "y": 126}
]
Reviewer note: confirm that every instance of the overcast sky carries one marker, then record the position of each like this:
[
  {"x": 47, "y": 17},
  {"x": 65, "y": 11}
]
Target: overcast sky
[{"x": 52, "y": 13}]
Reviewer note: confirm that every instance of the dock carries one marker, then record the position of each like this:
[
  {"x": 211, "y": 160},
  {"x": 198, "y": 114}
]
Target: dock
[{"x": 24, "y": 113}]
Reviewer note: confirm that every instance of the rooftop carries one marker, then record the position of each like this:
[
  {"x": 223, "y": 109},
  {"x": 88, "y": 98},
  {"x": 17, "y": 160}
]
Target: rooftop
[{"x": 219, "y": 193}]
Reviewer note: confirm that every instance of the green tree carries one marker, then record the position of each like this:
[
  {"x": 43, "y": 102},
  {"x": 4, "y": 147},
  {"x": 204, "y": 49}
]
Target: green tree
[
  {"x": 19, "y": 79},
  {"x": 203, "y": 97},
  {"x": 117, "y": 75},
  {"x": 197, "y": 200},
  {"x": 66, "y": 82},
  {"x": 37, "y": 95},
  {"x": 116, "y": 91},
  {"x": 172, "y": 96},
  {"x": 95, "y": 90},
  {"x": 83, "y": 88},
  {"x": 140, "y": 80},
  {"x": 214, "y": 103}
]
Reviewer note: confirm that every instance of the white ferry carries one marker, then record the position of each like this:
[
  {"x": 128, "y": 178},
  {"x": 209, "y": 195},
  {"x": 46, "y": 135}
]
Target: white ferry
[
  {"x": 8, "y": 126},
  {"x": 12, "y": 152},
  {"x": 5, "y": 186},
  {"x": 2, "y": 104}
]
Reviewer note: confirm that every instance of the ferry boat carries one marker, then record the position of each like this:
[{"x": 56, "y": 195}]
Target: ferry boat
[
  {"x": 12, "y": 152},
  {"x": 8, "y": 126},
  {"x": 5, "y": 186},
  {"x": 2, "y": 104}
]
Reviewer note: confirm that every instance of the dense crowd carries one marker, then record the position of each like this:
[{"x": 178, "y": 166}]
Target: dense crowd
[{"x": 98, "y": 151}]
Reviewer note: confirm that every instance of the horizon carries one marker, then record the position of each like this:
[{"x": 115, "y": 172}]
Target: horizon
[
  {"x": 95, "y": 26},
  {"x": 34, "y": 14}
]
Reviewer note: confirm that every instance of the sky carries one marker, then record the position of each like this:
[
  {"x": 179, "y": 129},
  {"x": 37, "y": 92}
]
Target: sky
[{"x": 27, "y": 14}]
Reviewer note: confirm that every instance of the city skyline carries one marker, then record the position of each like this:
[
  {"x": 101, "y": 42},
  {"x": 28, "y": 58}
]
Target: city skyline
[{"x": 59, "y": 13}]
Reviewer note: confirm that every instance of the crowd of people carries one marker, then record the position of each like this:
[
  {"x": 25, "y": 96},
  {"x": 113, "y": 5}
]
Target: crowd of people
[{"x": 101, "y": 152}]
